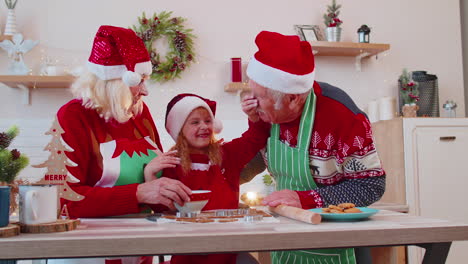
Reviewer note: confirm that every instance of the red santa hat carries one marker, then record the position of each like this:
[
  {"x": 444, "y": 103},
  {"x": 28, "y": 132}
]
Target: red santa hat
[
  {"x": 118, "y": 53},
  {"x": 180, "y": 107},
  {"x": 282, "y": 63}
]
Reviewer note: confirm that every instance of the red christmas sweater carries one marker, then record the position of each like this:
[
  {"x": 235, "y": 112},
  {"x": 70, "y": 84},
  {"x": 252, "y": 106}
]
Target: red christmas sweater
[
  {"x": 343, "y": 160},
  {"x": 222, "y": 180},
  {"x": 85, "y": 133}
]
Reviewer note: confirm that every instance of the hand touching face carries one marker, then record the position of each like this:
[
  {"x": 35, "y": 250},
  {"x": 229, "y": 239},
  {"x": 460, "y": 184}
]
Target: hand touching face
[
  {"x": 265, "y": 103},
  {"x": 250, "y": 106},
  {"x": 276, "y": 107}
]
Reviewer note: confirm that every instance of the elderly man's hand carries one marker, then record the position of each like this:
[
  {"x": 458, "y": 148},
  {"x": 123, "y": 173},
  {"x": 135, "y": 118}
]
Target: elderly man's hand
[
  {"x": 163, "y": 191},
  {"x": 249, "y": 106},
  {"x": 286, "y": 197}
]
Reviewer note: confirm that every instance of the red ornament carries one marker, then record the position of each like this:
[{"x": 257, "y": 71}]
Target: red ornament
[{"x": 144, "y": 21}]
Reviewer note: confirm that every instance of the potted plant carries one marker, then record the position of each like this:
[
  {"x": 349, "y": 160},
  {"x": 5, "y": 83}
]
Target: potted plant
[
  {"x": 269, "y": 183},
  {"x": 409, "y": 94},
  {"x": 11, "y": 163},
  {"x": 332, "y": 22}
]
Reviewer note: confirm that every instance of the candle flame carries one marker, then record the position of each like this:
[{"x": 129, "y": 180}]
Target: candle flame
[{"x": 252, "y": 196}]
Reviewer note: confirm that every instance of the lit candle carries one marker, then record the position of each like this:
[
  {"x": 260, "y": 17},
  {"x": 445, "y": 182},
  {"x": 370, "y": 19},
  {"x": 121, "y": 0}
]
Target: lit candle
[
  {"x": 236, "y": 67},
  {"x": 252, "y": 198}
]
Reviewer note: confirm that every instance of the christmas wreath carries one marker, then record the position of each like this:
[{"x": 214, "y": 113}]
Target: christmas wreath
[{"x": 180, "y": 54}]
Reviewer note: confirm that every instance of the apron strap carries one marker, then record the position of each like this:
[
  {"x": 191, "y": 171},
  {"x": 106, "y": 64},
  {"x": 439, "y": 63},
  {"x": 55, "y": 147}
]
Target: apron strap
[{"x": 307, "y": 122}]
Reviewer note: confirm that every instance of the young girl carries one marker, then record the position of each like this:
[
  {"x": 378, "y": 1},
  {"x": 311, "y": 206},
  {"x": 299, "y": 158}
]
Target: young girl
[{"x": 206, "y": 163}]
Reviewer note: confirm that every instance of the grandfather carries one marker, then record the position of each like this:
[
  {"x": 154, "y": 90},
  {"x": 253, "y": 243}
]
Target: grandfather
[{"x": 321, "y": 149}]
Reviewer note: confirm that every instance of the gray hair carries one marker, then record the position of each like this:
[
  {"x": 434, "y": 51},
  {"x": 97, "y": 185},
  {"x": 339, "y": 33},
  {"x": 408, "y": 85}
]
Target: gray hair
[{"x": 278, "y": 97}]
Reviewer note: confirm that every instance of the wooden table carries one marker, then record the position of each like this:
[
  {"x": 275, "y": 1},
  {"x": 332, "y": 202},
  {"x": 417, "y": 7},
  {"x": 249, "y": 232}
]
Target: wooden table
[{"x": 134, "y": 237}]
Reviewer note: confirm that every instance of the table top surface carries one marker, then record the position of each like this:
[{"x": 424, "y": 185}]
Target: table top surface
[{"x": 138, "y": 236}]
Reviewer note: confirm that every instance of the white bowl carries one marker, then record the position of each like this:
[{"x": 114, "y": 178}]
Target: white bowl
[{"x": 198, "y": 200}]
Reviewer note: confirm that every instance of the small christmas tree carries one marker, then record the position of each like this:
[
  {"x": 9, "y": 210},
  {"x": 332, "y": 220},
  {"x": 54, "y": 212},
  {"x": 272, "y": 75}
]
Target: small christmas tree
[
  {"x": 11, "y": 162},
  {"x": 57, "y": 163},
  {"x": 331, "y": 17}
]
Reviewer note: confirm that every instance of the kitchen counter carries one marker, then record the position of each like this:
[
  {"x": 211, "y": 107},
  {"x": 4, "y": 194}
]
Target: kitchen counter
[
  {"x": 138, "y": 236},
  {"x": 402, "y": 208}
]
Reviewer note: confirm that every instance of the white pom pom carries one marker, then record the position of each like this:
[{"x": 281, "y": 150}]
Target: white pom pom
[
  {"x": 217, "y": 126},
  {"x": 131, "y": 78}
]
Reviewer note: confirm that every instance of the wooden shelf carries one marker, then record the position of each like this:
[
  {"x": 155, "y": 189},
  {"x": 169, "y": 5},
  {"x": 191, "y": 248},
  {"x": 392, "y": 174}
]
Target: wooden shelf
[
  {"x": 349, "y": 49},
  {"x": 3, "y": 37},
  {"x": 27, "y": 82},
  {"x": 236, "y": 86},
  {"x": 36, "y": 81},
  {"x": 325, "y": 48}
]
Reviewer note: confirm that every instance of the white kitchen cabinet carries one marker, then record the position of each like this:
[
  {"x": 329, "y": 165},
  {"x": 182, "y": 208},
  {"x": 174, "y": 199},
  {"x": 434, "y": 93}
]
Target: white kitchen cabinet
[
  {"x": 435, "y": 170},
  {"x": 436, "y": 177}
]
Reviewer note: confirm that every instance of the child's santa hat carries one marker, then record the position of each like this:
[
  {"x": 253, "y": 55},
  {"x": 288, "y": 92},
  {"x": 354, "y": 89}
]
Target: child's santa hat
[
  {"x": 180, "y": 107},
  {"x": 118, "y": 53},
  {"x": 282, "y": 63}
]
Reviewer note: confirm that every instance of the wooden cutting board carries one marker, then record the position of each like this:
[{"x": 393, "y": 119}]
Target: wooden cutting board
[
  {"x": 9, "y": 230},
  {"x": 61, "y": 225}
]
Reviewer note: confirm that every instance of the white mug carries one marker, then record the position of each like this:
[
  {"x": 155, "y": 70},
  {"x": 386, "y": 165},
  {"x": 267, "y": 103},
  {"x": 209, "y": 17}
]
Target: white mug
[{"x": 38, "y": 204}]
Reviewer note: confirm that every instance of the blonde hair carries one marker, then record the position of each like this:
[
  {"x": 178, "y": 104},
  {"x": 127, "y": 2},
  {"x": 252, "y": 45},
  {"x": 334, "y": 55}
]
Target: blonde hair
[
  {"x": 183, "y": 149},
  {"x": 112, "y": 99}
]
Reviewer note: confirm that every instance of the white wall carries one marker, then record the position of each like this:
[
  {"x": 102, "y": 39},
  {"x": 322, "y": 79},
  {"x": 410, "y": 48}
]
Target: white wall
[{"x": 424, "y": 35}]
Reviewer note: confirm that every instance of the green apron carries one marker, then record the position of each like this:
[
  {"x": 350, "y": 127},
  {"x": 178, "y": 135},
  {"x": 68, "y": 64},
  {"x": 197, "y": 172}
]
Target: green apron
[{"x": 290, "y": 167}]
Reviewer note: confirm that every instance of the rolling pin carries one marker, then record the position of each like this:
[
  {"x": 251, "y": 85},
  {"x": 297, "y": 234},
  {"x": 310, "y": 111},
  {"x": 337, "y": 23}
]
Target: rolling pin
[{"x": 297, "y": 214}]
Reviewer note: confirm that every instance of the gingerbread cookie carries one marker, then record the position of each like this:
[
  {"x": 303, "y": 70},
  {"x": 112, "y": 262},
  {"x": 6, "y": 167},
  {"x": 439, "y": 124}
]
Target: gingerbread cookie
[
  {"x": 341, "y": 208},
  {"x": 352, "y": 210},
  {"x": 346, "y": 205}
]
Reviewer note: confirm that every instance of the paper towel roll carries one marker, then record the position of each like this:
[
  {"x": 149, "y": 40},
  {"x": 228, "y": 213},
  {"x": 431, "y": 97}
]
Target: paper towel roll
[
  {"x": 373, "y": 111},
  {"x": 386, "y": 108}
]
